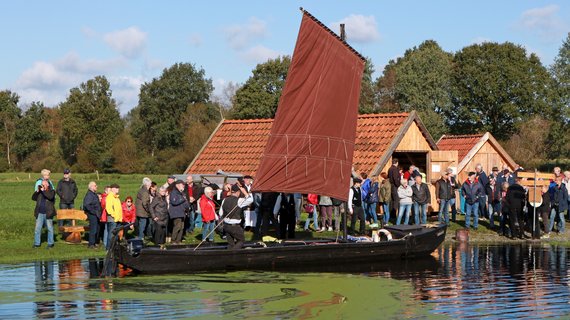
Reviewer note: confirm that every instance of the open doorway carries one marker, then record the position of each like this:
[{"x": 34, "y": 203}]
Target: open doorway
[{"x": 407, "y": 158}]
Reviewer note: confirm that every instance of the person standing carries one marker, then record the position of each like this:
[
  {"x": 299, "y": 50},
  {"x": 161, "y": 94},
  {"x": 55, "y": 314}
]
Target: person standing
[
  {"x": 326, "y": 205},
  {"x": 287, "y": 216},
  {"x": 365, "y": 188},
  {"x": 515, "y": 201},
  {"x": 484, "y": 181},
  {"x": 45, "y": 175},
  {"x": 44, "y": 196},
  {"x": 312, "y": 201},
  {"x": 405, "y": 195},
  {"x": 455, "y": 186},
  {"x": 208, "y": 210},
  {"x": 355, "y": 206},
  {"x": 67, "y": 191},
  {"x": 92, "y": 207},
  {"x": 385, "y": 196},
  {"x": 372, "y": 201},
  {"x": 129, "y": 211},
  {"x": 421, "y": 198},
  {"x": 178, "y": 206},
  {"x": 472, "y": 191},
  {"x": 443, "y": 194},
  {"x": 188, "y": 192},
  {"x": 493, "y": 192},
  {"x": 559, "y": 203},
  {"x": 159, "y": 213},
  {"x": 114, "y": 210},
  {"x": 395, "y": 179},
  {"x": 231, "y": 211},
  {"x": 142, "y": 205}
]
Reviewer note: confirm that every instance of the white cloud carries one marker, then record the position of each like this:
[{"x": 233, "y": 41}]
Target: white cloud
[
  {"x": 359, "y": 28},
  {"x": 195, "y": 40},
  {"x": 543, "y": 22},
  {"x": 480, "y": 40},
  {"x": 129, "y": 42},
  {"x": 126, "y": 91},
  {"x": 240, "y": 36},
  {"x": 259, "y": 53}
]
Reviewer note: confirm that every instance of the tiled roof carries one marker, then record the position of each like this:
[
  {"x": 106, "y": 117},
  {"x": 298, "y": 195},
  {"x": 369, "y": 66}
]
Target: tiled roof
[
  {"x": 462, "y": 143},
  {"x": 237, "y": 145}
]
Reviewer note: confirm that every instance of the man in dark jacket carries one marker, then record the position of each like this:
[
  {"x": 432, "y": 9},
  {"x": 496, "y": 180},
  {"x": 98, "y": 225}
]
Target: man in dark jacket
[
  {"x": 515, "y": 199},
  {"x": 44, "y": 196},
  {"x": 484, "y": 181},
  {"x": 559, "y": 203},
  {"x": 159, "y": 214},
  {"x": 472, "y": 191},
  {"x": 395, "y": 180},
  {"x": 67, "y": 191},
  {"x": 443, "y": 194},
  {"x": 142, "y": 205},
  {"x": 92, "y": 207},
  {"x": 192, "y": 192},
  {"x": 177, "y": 211},
  {"x": 231, "y": 211},
  {"x": 422, "y": 198}
]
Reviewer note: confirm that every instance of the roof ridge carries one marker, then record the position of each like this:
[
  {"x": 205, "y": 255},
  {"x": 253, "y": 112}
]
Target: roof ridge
[
  {"x": 459, "y": 136},
  {"x": 384, "y": 115},
  {"x": 233, "y": 121}
]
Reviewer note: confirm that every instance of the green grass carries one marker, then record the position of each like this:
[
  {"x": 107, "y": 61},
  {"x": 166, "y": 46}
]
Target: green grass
[{"x": 17, "y": 219}]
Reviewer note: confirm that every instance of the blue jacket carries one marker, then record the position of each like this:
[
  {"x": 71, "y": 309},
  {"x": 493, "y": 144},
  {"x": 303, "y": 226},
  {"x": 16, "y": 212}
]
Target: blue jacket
[
  {"x": 483, "y": 179},
  {"x": 91, "y": 204},
  {"x": 178, "y": 205},
  {"x": 472, "y": 191},
  {"x": 365, "y": 187},
  {"x": 559, "y": 196}
]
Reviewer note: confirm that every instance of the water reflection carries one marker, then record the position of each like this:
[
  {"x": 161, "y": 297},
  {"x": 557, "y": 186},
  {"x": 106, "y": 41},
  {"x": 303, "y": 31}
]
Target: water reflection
[{"x": 463, "y": 281}]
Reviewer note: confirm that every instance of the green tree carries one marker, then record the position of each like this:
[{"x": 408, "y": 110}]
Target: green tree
[
  {"x": 259, "y": 96},
  {"x": 367, "y": 103},
  {"x": 422, "y": 83},
  {"x": 163, "y": 100},
  {"x": 31, "y": 131},
  {"x": 385, "y": 88},
  {"x": 496, "y": 87},
  {"x": 560, "y": 71},
  {"x": 10, "y": 115},
  {"x": 90, "y": 124}
]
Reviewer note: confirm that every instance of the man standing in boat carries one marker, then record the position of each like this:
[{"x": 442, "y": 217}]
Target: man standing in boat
[
  {"x": 355, "y": 206},
  {"x": 231, "y": 211},
  {"x": 395, "y": 179}
]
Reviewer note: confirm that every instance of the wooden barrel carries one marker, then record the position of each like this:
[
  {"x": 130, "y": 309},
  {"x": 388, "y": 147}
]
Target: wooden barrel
[{"x": 462, "y": 235}]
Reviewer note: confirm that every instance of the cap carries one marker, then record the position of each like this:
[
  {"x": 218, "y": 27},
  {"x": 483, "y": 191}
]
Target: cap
[
  {"x": 471, "y": 173},
  {"x": 179, "y": 182},
  {"x": 66, "y": 171},
  {"x": 235, "y": 188},
  {"x": 248, "y": 177},
  {"x": 357, "y": 180},
  {"x": 495, "y": 169},
  {"x": 171, "y": 177},
  {"x": 506, "y": 171},
  {"x": 114, "y": 185}
]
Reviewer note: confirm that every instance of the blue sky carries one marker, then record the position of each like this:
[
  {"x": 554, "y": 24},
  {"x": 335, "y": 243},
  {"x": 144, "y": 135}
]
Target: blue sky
[{"x": 50, "y": 47}]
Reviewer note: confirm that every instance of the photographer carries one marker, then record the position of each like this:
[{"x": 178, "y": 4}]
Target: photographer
[{"x": 44, "y": 212}]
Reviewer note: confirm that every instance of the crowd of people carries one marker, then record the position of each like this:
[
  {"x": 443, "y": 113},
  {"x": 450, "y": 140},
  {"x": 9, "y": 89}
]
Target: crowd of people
[{"x": 171, "y": 212}]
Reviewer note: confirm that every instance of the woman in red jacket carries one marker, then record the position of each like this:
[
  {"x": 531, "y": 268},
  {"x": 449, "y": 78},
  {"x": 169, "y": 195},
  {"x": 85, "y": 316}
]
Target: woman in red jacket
[{"x": 129, "y": 210}]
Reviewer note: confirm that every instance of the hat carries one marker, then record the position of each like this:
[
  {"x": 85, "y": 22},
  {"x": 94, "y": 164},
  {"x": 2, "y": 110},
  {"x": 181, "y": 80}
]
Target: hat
[
  {"x": 235, "y": 188},
  {"x": 171, "y": 177},
  {"x": 471, "y": 173},
  {"x": 66, "y": 171},
  {"x": 506, "y": 171},
  {"x": 248, "y": 177},
  {"x": 495, "y": 169},
  {"x": 114, "y": 185},
  {"x": 357, "y": 180},
  {"x": 179, "y": 182}
]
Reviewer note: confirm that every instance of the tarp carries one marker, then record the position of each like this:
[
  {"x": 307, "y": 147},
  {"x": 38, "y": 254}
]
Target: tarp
[{"x": 311, "y": 142}]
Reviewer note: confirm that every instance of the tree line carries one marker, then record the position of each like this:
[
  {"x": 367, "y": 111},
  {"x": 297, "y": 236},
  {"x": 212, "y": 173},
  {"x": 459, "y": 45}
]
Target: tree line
[{"x": 495, "y": 87}]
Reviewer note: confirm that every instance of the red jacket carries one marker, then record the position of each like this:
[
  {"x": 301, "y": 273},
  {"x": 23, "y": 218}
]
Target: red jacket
[
  {"x": 208, "y": 209},
  {"x": 104, "y": 211},
  {"x": 129, "y": 215}
]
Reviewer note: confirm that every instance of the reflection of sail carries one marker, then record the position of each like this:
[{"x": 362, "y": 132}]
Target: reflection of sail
[{"x": 311, "y": 142}]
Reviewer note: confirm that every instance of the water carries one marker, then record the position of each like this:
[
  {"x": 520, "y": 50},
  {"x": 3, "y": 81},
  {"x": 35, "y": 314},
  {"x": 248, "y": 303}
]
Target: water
[{"x": 457, "y": 282}]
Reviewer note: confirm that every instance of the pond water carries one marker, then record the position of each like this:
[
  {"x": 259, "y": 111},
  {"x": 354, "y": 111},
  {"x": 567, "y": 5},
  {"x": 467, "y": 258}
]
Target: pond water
[{"x": 457, "y": 282}]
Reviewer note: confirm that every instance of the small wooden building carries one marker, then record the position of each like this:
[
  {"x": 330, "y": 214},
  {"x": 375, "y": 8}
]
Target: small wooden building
[{"x": 475, "y": 149}]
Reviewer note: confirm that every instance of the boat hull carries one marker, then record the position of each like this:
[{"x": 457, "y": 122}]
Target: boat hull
[{"x": 412, "y": 242}]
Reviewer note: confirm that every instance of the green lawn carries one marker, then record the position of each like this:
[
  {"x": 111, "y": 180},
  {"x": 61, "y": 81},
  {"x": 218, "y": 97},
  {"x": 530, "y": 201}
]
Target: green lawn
[{"x": 17, "y": 227}]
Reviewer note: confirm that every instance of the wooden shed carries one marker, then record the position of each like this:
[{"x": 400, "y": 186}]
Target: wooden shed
[{"x": 475, "y": 149}]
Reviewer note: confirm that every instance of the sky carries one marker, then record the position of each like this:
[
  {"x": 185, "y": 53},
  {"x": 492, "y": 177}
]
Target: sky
[{"x": 50, "y": 47}]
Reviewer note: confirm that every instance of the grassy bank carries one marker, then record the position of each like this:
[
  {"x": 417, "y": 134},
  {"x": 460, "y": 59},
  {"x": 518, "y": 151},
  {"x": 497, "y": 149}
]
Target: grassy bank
[{"x": 17, "y": 227}]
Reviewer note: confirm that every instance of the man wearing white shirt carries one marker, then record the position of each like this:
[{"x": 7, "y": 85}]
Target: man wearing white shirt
[
  {"x": 355, "y": 206},
  {"x": 231, "y": 211}
]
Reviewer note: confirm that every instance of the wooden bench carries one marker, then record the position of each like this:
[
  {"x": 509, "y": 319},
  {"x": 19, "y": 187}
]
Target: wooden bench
[{"x": 73, "y": 232}]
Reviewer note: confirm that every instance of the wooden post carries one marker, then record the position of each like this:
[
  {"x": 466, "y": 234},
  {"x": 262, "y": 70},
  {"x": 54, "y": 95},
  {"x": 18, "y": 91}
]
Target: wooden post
[{"x": 97, "y": 173}]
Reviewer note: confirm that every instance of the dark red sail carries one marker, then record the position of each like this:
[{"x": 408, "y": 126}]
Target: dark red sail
[{"x": 311, "y": 142}]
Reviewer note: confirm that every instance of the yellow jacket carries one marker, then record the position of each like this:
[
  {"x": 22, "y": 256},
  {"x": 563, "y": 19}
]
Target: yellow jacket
[{"x": 114, "y": 207}]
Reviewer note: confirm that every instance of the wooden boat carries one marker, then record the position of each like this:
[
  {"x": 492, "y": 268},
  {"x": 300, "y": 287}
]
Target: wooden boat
[{"x": 407, "y": 242}]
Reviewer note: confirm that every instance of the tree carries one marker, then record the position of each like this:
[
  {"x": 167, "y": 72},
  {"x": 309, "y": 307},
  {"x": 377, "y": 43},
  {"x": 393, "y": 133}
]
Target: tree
[
  {"x": 422, "y": 83},
  {"x": 31, "y": 131},
  {"x": 90, "y": 124},
  {"x": 259, "y": 96},
  {"x": 163, "y": 100},
  {"x": 496, "y": 87},
  {"x": 560, "y": 71},
  {"x": 367, "y": 103},
  {"x": 386, "y": 90},
  {"x": 9, "y": 116}
]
